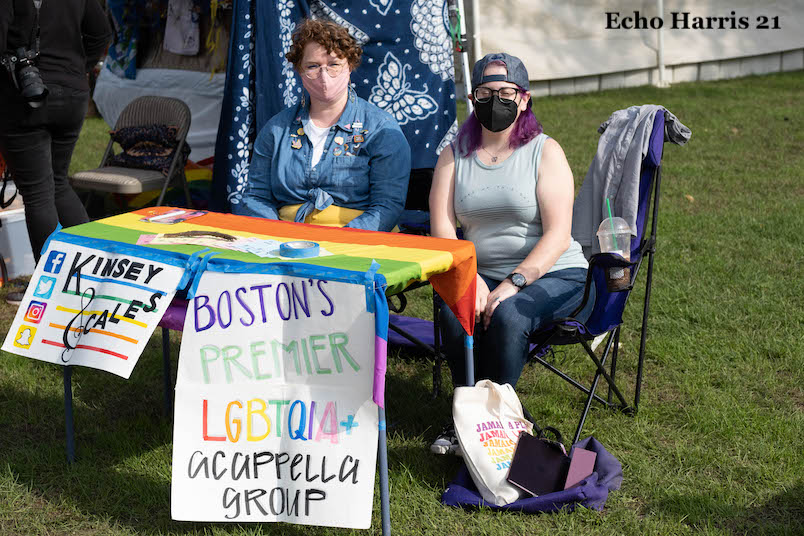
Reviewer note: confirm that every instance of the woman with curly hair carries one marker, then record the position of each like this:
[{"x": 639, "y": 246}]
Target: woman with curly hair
[{"x": 334, "y": 159}]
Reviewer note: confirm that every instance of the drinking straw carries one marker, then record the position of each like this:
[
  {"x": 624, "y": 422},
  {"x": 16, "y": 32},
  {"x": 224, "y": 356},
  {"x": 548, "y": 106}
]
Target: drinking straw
[{"x": 611, "y": 223}]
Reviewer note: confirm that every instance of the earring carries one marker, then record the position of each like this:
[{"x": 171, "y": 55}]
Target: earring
[{"x": 304, "y": 101}]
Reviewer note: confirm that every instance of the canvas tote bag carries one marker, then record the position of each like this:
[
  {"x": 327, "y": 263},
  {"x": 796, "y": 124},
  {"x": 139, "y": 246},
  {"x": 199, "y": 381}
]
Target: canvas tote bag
[{"x": 488, "y": 420}]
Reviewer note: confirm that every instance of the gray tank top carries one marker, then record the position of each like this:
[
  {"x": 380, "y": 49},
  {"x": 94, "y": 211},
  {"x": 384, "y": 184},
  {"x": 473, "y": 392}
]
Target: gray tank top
[{"x": 498, "y": 211}]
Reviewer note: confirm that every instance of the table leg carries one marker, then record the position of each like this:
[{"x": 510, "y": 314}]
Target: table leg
[
  {"x": 68, "y": 412},
  {"x": 468, "y": 344},
  {"x": 385, "y": 506},
  {"x": 166, "y": 371}
]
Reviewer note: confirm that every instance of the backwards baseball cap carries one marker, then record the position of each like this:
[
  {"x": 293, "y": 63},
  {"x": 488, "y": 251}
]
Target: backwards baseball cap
[{"x": 516, "y": 74}]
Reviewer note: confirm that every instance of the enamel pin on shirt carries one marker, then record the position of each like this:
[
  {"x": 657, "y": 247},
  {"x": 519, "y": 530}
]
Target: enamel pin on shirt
[
  {"x": 300, "y": 131},
  {"x": 296, "y": 143},
  {"x": 357, "y": 125},
  {"x": 337, "y": 151},
  {"x": 338, "y": 140},
  {"x": 357, "y": 138}
]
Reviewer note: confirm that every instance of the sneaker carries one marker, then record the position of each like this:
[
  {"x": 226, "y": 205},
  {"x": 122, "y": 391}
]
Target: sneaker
[
  {"x": 446, "y": 442},
  {"x": 15, "y": 298}
]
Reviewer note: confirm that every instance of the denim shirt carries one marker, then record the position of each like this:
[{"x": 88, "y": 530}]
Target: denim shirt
[{"x": 371, "y": 175}]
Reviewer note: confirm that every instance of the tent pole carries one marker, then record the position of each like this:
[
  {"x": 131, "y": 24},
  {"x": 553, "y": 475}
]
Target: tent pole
[
  {"x": 467, "y": 73},
  {"x": 660, "y": 48},
  {"x": 476, "y": 48}
]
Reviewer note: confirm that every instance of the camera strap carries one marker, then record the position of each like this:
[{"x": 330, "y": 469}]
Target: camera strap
[
  {"x": 6, "y": 178},
  {"x": 33, "y": 40}
]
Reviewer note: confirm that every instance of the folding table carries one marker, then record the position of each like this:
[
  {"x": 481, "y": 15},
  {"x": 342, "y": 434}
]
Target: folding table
[{"x": 449, "y": 265}]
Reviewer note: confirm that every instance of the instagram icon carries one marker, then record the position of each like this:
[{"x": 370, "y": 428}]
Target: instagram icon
[{"x": 35, "y": 312}]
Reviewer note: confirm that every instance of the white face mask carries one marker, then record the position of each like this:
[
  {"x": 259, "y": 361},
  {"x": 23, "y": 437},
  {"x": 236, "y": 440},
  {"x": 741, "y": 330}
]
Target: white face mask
[{"x": 326, "y": 88}]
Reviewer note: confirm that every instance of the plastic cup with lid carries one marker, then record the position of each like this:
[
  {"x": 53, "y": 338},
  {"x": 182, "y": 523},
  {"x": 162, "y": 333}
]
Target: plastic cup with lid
[{"x": 614, "y": 235}]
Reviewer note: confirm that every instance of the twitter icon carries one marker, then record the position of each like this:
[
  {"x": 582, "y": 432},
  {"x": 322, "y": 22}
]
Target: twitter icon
[{"x": 45, "y": 286}]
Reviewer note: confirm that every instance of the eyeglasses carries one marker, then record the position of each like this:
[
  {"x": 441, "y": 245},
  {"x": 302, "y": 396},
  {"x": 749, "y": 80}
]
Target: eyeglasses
[
  {"x": 314, "y": 71},
  {"x": 506, "y": 94}
]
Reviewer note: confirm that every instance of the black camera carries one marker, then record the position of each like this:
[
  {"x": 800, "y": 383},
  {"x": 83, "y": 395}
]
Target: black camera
[{"x": 21, "y": 66}]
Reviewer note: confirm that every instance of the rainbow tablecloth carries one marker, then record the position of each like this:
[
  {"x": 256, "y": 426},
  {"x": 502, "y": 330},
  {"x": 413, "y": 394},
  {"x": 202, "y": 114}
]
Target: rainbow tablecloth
[{"x": 449, "y": 265}]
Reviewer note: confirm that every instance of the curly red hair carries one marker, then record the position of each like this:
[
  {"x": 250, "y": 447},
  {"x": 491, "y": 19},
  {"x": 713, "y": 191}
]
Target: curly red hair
[{"x": 329, "y": 35}]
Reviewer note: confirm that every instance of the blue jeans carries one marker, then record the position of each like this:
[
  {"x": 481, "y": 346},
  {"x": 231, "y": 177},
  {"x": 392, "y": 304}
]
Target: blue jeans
[{"x": 501, "y": 351}]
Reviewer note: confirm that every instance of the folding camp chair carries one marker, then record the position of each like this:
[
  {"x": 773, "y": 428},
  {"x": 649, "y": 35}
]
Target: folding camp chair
[
  {"x": 142, "y": 111},
  {"x": 606, "y": 317}
]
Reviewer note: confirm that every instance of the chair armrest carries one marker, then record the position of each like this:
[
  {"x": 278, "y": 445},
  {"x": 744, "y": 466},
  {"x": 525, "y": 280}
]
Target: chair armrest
[
  {"x": 602, "y": 260},
  {"x": 403, "y": 301},
  {"x": 609, "y": 260}
]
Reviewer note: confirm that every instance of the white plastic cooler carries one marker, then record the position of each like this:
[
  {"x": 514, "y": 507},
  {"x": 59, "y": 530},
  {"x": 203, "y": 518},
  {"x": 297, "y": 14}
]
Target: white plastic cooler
[{"x": 14, "y": 244}]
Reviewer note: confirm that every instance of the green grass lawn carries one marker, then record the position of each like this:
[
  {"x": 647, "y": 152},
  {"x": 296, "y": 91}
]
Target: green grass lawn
[{"x": 716, "y": 447}]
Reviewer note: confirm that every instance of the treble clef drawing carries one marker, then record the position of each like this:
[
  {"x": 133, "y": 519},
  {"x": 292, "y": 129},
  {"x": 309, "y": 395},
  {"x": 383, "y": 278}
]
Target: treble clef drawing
[{"x": 78, "y": 331}]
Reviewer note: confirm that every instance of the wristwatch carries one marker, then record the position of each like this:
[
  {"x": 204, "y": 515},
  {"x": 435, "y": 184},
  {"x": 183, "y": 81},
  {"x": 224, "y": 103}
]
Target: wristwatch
[{"x": 518, "y": 280}]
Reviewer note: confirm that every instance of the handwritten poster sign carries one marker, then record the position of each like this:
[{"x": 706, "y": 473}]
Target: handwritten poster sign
[
  {"x": 90, "y": 307},
  {"x": 274, "y": 414}
]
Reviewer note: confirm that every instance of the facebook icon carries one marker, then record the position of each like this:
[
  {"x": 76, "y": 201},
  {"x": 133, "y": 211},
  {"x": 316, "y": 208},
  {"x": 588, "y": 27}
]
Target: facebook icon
[{"x": 54, "y": 261}]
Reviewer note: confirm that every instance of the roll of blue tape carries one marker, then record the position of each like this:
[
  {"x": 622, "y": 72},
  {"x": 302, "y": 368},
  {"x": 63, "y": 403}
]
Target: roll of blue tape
[{"x": 298, "y": 249}]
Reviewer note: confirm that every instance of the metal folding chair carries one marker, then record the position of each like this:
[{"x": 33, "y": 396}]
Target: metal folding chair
[{"x": 142, "y": 111}]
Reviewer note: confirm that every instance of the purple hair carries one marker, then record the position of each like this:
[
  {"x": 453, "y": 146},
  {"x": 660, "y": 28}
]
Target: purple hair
[{"x": 469, "y": 136}]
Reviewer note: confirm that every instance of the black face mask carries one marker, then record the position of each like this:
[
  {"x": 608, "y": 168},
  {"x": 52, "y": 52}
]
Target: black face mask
[{"x": 495, "y": 114}]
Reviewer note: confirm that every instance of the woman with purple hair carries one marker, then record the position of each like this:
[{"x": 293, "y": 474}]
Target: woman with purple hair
[{"x": 510, "y": 188}]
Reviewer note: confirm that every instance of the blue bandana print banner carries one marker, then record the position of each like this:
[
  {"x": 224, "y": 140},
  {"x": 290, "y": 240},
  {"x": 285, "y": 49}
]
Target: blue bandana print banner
[
  {"x": 407, "y": 69},
  {"x": 236, "y": 130},
  {"x": 278, "y": 87}
]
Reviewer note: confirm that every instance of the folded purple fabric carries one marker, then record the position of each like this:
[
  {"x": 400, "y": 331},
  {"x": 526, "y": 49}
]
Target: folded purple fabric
[
  {"x": 419, "y": 328},
  {"x": 591, "y": 492},
  {"x": 422, "y": 330},
  {"x": 174, "y": 316}
]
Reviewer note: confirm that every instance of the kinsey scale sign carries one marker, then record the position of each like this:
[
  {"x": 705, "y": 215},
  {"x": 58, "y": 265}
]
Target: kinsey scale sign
[{"x": 93, "y": 308}]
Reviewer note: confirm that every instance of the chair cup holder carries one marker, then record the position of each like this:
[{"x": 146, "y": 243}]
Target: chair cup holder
[{"x": 618, "y": 278}]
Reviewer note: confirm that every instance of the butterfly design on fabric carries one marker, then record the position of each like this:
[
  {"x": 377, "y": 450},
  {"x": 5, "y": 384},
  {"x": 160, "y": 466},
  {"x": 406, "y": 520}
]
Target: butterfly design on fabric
[
  {"x": 394, "y": 95},
  {"x": 448, "y": 137},
  {"x": 319, "y": 10},
  {"x": 429, "y": 25},
  {"x": 382, "y": 6}
]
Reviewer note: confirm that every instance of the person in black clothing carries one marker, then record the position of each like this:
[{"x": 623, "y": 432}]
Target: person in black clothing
[{"x": 37, "y": 142}]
